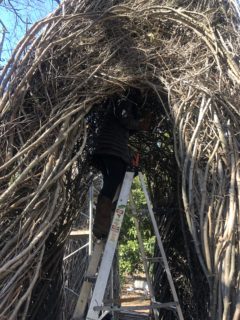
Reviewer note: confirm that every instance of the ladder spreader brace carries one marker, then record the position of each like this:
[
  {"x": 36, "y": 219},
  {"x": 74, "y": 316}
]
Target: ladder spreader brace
[{"x": 96, "y": 304}]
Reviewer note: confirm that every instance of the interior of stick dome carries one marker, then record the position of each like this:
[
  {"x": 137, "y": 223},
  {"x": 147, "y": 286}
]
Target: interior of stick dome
[{"x": 157, "y": 161}]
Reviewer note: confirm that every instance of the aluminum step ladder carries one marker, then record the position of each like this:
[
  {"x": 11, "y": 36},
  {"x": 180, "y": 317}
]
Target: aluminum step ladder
[{"x": 96, "y": 309}]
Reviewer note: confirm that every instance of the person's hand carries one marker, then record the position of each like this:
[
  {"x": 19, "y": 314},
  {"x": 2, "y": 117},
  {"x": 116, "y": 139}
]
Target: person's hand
[{"x": 144, "y": 123}]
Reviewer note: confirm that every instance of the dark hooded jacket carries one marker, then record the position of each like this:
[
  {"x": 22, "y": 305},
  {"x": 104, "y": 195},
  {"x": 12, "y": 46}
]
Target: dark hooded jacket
[{"x": 120, "y": 121}]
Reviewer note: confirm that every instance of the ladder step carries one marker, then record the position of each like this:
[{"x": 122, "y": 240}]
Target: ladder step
[
  {"x": 155, "y": 305},
  {"x": 79, "y": 233},
  {"x": 166, "y": 305},
  {"x": 154, "y": 259}
]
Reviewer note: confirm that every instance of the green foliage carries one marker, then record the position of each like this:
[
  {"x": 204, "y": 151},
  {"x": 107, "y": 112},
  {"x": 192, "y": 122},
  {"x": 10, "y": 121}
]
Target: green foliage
[{"x": 129, "y": 252}]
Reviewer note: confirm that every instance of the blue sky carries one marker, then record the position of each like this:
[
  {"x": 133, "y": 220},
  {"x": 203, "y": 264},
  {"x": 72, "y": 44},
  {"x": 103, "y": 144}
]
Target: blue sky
[{"x": 28, "y": 12}]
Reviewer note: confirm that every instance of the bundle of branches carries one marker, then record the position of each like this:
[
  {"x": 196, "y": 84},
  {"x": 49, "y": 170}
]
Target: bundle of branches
[
  {"x": 79, "y": 56},
  {"x": 164, "y": 183}
]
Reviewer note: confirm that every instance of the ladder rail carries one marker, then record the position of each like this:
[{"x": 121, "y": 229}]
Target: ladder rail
[
  {"x": 87, "y": 286},
  {"x": 90, "y": 248},
  {"x": 143, "y": 255},
  {"x": 160, "y": 245},
  {"x": 110, "y": 247}
]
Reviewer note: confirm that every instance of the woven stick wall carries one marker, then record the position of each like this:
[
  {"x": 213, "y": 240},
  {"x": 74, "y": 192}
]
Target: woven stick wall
[{"x": 77, "y": 57}]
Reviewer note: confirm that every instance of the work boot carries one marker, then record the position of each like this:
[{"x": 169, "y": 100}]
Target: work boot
[{"x": 103, "y": 217}]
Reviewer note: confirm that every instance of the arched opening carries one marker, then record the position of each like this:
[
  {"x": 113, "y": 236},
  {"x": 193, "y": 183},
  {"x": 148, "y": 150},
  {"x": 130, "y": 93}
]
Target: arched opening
[{"x": 163, "y": 177}]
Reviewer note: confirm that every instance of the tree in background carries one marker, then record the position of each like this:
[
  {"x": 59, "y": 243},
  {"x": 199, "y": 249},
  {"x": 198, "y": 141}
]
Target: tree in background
[{"x": 130, "y": 260}]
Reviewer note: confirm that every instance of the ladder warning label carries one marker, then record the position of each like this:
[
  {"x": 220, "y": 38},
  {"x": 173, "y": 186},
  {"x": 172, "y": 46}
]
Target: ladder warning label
[{"x": 116, "y": 225}]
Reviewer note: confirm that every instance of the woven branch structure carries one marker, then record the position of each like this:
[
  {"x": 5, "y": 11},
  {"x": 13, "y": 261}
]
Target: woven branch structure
[{"x": 185, "y": 54}]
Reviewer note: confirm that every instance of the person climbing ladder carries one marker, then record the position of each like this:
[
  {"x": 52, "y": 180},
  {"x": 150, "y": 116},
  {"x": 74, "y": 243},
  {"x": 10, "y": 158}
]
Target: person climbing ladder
[{"x": 111, "y": 154}]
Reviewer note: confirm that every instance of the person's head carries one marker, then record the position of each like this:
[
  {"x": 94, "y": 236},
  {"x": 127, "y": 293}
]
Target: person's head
[{"x": 140, "y": 98}]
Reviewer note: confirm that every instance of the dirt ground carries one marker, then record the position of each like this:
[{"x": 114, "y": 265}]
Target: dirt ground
[{"x": 130, "y": 297}]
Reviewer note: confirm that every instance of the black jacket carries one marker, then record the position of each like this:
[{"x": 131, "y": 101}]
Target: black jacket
[{"x": 120, "y": 121}]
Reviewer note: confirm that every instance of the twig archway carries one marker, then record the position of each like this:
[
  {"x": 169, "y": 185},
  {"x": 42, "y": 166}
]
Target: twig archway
[{"x": 77, "y": 57}]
